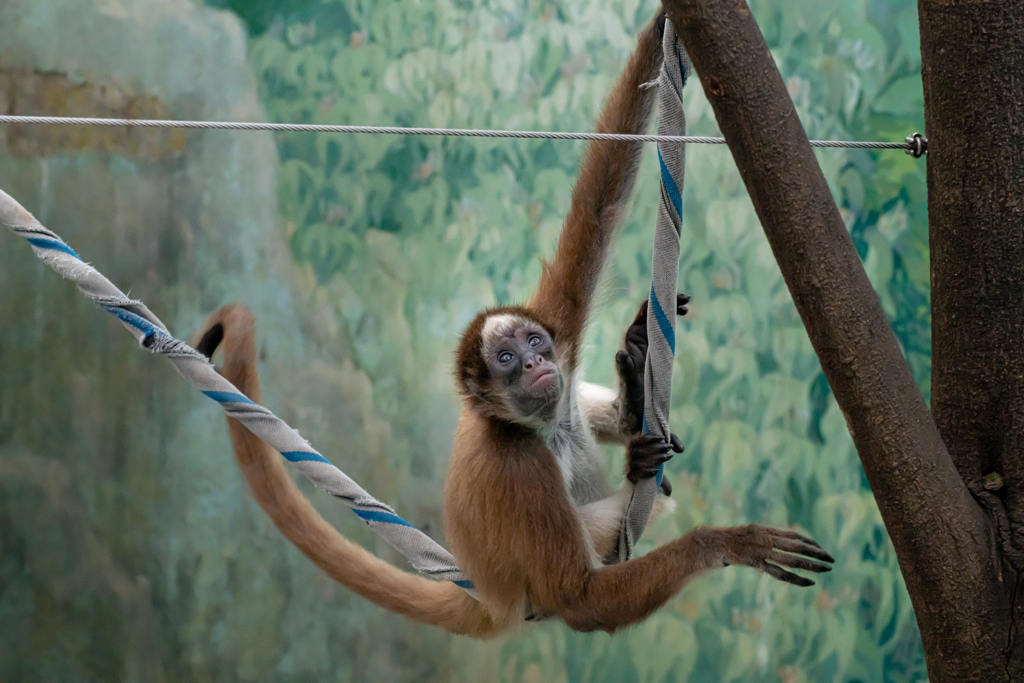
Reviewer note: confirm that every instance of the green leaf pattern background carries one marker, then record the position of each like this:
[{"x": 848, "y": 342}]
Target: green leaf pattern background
[
  {"x": 409, "y": 236},
  {"x": 398, "y": 241}
]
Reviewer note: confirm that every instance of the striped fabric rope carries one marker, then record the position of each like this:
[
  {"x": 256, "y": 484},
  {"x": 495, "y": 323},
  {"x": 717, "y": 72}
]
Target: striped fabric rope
[
  {"x": 909, "y": 146},
  {"x": 661, "y": 308},
  {"x": 423, "y": 552}
]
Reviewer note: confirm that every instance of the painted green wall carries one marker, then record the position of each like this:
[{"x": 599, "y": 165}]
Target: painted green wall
[{"x": 129, "y": 548}]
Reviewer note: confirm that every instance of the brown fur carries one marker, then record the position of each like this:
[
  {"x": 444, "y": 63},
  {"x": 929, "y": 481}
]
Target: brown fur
[
  {"x": 566, "y": 290},
  {"x": 509, "y": 518},
  {"x": 520, "y": 540},
  {"x": 423, "y": 600}
]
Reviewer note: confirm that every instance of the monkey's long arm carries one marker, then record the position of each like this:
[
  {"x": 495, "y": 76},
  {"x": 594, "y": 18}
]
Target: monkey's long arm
[
  {"x": 429, "y": 602},
  {"x": 561, "y": 580},
  {"x": 565, "y": 293}
]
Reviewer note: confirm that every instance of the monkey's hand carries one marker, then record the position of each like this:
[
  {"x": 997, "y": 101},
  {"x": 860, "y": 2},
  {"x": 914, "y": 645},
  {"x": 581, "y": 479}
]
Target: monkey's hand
[
  {"x": 769, "y": 550},
  {"x": 647, "y": 452},
  {"x": 630, "y": 364}
]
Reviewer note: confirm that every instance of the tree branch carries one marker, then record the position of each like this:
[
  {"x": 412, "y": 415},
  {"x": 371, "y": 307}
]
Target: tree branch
[{"x": 942, "y": 538}]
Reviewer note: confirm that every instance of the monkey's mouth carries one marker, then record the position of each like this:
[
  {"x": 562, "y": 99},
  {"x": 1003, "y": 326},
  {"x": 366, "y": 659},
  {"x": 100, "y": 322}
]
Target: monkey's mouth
[{"x": 544, "y": 379}]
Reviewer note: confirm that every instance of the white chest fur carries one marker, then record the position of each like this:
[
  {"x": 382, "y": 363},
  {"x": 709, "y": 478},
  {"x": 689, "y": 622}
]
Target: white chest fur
[{"x": 576, "y": 451}]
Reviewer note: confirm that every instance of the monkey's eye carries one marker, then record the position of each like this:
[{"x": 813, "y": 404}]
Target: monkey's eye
[
  {"x": 505, "y": 357},
  {"x": 535, "y": 340}
]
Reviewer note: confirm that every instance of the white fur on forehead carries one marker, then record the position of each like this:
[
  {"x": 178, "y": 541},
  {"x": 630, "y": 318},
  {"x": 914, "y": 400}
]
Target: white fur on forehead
[{"x": 501, "y": 324}]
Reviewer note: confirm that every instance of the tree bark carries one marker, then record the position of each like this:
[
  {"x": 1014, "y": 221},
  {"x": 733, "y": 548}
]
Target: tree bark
[
  {"x": 943, "y": 539},
  {"x": 973, "y": 68}
]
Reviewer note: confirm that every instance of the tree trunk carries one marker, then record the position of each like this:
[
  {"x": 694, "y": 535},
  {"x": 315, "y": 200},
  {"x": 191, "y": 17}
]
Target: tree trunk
[
  {"x": 973, "y": 68},
  {"x": 946, "y": 543}
]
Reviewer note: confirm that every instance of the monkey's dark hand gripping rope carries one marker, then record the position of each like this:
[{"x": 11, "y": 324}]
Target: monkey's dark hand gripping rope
[
  {"x": 661, "y": 318},
  {"x": 422, "y": 551}
]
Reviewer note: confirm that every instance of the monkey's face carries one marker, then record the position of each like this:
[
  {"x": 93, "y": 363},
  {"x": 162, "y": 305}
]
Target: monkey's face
[{"x": 519, "y": 354}]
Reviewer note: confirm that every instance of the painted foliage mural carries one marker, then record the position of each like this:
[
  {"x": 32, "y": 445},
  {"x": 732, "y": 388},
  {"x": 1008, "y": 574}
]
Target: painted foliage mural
[{"x": 362, "y": 268}]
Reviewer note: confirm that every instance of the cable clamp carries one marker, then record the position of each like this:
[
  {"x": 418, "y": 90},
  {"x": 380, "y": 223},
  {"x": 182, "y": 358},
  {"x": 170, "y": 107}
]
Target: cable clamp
[{"x": 917, "y": 145}]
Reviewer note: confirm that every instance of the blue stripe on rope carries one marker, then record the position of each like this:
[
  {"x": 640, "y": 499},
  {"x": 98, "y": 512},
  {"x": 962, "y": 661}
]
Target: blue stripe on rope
[
  {"x": 304, "y": 456},
  {"x": 227, "y": 397},
  {"x": 136, "y": 321},
  {"x": 468, "y": 585},
  {"x": 670, "y": 185},
  {"x": 664, "y": 324},
  {"x": 378, "y": 516},
  {"x": 55, "y": 245}
]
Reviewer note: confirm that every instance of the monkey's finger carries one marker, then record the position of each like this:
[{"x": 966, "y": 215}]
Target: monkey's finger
[
  {"x": 636, "y": 343},
  {"x": 637, "y": 333},
  {"x": 639, "y": 356},
  {"x": 658, "y": 452},
  {"x": 637, "y": 351},
  {"x": 681, "y": 301},
  {"x": 666, "y": 486},
  {"x": 646, "y": 460},
  {"x": 632, "y": 377},
  {"x": 795, "y": 536},
  {"x": 802, "y": 547},
  {"x": 782, "y": 575},
  {"x": 642, "y": 473},
  {"x": 667, "y": 446},
  {"x": 645, "y": 470},
  {"x": 676, "y": 444},
  {"x": 636, "y": 474},
  {"x": 645, "y": 441},
  {"x": 624, "y": 363},
  {"x": 797, "y": 562}
]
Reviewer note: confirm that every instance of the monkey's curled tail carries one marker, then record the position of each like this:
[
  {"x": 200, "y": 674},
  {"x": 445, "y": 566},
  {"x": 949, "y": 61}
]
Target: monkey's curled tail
[{"x": 424, "y": 600}]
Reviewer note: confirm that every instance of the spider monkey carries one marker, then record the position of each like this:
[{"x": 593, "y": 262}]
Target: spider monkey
[{"x": 527, "y": 512}]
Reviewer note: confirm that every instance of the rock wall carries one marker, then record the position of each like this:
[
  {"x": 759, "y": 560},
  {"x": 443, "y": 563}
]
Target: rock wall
[{"x": 129, "y": 548}]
